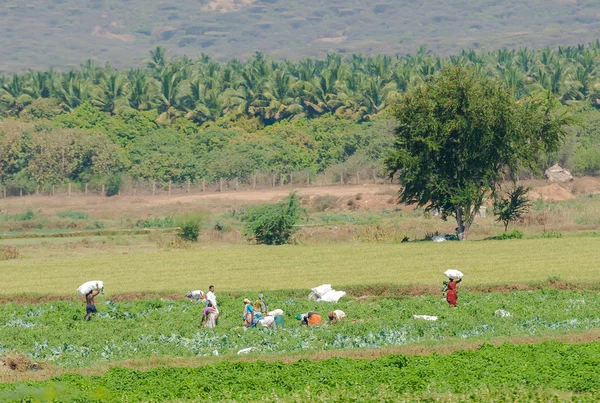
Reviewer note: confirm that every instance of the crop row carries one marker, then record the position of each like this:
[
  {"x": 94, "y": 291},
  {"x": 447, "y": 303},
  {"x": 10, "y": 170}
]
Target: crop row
[
  {"x": 523, "y": 369},
  {"x": 55, "y": 332}
]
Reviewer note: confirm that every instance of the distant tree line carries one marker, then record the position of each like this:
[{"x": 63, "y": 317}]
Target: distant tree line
[{"x": 178, "y": 119}]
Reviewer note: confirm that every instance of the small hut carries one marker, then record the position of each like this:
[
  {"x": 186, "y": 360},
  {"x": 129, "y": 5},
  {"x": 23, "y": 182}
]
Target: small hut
[{"x": 556, "y": 173}]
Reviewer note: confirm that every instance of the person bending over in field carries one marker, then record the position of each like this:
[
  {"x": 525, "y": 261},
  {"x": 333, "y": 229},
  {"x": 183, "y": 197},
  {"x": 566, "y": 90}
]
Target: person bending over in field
[
  {"x": 336, "y": 316},
  {"x": 452, "y": 292},
  {"x": 90, "y": 305},
  {"x": 209, "y": 318},
  {"x": 248, "y": 314},
  {"x": 310, "y": 318}
]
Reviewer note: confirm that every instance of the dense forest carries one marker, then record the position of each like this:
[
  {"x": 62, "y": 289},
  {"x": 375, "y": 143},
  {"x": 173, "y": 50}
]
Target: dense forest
[{"x": 178, "y": 119}]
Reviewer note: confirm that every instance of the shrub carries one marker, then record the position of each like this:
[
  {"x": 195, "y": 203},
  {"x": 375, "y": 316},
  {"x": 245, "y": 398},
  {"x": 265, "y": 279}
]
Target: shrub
[
  {"x": 74, "y": 215},
  {"x": 515, "y": 234},
  {"x": 189, "y": 227},
  {"x": 113, "y": 185},
  {"x": 157, "y": 222},
  {"x": 273, "y": 224},
  {"x": 26, "y": 216},
  {"x": 322, "y": 203},
  {"x": 512, "y": 206},
  {"x": 9, "y": 252}
]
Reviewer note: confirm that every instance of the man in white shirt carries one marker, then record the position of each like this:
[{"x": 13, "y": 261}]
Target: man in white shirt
[{"x": 212, "y": 298}]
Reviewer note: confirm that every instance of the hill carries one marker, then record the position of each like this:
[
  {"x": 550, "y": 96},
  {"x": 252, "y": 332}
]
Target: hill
[{"x": 61, "y": 33}]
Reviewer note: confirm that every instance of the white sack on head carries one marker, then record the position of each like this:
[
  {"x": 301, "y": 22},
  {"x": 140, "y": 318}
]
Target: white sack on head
[
  {"x": 275, "y": 312},
  {"x": 88, "y": 286},
  {"x": 195, "y": 294},
  {"x": 453, "y": 274}
]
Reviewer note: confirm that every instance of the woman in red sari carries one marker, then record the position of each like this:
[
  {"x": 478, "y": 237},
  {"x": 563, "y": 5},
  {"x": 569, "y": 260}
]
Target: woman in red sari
[{"x": 452, "y": 293}]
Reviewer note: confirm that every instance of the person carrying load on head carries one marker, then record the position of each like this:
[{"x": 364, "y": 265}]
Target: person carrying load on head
[
  {"x": 209, "y": 317},
  {"x": 260, "y": 305},
  {"x": 336, "y": 316},
  {"x": 195, "y": 296},
  {"x": 248, "y": 314},
  {"x": 310, "y": 318},
  {"x": 90, "y": 304},
  {"x": 451, "y": 291}
]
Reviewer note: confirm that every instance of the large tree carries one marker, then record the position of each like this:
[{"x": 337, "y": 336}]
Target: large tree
[{"x": 458, "y": 135}]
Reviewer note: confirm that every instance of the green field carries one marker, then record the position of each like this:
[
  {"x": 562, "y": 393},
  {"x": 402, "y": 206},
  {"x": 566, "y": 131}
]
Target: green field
[{"x": 296, "y": 267}]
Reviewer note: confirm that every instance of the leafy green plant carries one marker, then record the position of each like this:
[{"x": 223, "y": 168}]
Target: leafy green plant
[
  {"x": 273, "y": 224},
  {"x": 512, "y": 206},
  {"x": 74, "y": 215},
  {"x": 515, "y": 234},
  {"x": 113, "y": 184},
  {"x": 189, "y": 227}
]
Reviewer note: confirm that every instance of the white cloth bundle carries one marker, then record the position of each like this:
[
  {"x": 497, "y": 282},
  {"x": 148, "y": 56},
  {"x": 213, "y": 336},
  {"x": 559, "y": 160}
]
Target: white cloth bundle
[
  {"x": 267, "y": 321},
  {"x": 426, "y": 317},
  {"x": 325, "y": 293},
  {"x": 275, "y": 312},
  {"x": 88, "y": 286},
  {"x": 453, "y": 274},
  {"x": 332, "y": 296}
]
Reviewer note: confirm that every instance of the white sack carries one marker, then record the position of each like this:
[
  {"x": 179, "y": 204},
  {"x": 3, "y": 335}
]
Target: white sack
[
  {"x": 426, "y": 317},
  {"x": 332, "y": 296},
  {"x": 267, "y": 321},
  {"x": 439, "y": 238},
  {"x": 195, "y": 294},
  {"x": 321, "y": 290},
  {"x": 88, "y": 286},
  {"x": 245, "y": 350},
  {"x": 453, "y": 274},
  {"x": 275, "y": 312},
  {"x": 502, "y": 313}
]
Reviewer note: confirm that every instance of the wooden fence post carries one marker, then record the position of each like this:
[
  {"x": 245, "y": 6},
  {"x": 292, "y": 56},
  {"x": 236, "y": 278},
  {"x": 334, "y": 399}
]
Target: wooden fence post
[
  {"x": 281, "y": 180},
  {"x": 357, "y": 178},
  {"x": 69, "y": 191},
  {"x": 169, "y": 187},
  {"x": 103, "y": 190},
  {"x": 37, "y": 190},
  {"x": 307, "y": 180},
  {"x": 273, "y": 180},
  {"x": 20, "y": 192},
  {"x": 86, "y": 189},
  {"x": 254, "y": 183},
  {"x": 235, "y": 187},
  {"x": 4, "y": 192},
  {"x": 374, "y": 177},
  {"x": 188, "y": 185},
  {"x": 153, "y": 187},
  {"x": 220, "y": 184},
  {"x": 342, "y": 178},
  {"x": 203, "y": 185},
  {"x": 52, "y": 190}
]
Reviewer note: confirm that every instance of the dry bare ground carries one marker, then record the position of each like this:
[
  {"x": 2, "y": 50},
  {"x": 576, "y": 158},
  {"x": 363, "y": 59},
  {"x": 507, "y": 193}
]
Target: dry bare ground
[{"x": 372, "y": 196}]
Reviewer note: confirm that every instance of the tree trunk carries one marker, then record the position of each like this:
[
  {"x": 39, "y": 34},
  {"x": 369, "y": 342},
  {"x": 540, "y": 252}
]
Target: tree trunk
[{"x": 460, "y": 229}]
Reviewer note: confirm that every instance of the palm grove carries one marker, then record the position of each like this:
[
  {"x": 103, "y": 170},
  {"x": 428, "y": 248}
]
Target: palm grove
[{"x": 178, "y": 119}]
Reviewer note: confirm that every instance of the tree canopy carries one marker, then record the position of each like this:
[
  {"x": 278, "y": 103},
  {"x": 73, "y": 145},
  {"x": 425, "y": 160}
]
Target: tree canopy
[{"x": 458, "y": 135}]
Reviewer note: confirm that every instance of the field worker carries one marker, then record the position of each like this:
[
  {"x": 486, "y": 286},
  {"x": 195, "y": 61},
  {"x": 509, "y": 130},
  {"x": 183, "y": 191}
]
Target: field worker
[
  {"x": 336, "y": 316},
  {"x": 452, "y": 292},
  {"x": 196, "y": 296},
  {"x": 248, "y": 315},
  {"x": 263, "y": 304},
  {"x": 209, "y": 318},
  {"x": 212, "y": 298},
  {"x": 90, "y": 304},
  {"x": 310, "y": 318}
]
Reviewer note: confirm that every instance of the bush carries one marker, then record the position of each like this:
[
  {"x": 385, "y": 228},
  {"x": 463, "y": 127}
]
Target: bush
[
  {"x": 189, "y": 227},
  {"x": 157, "y": 222},
  {"x": 113, "y": 185},
  {"x": 322, "y": 203},
  {"x": 74, "y": 215},
  {"x": 515, "y": 234},
  {"x": 273, "y": 224}
]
